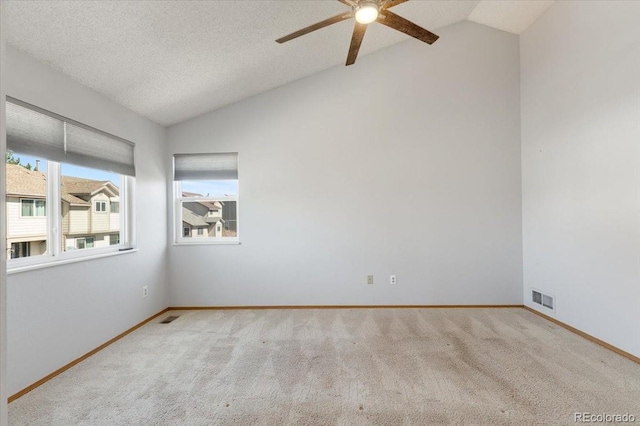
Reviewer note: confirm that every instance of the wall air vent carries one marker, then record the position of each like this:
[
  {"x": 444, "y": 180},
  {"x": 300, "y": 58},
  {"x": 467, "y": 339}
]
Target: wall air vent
[
  {"x": 543, "y": 299},
  {"x": 536, "y": 296},
  {"x": 167, "y": 320}
]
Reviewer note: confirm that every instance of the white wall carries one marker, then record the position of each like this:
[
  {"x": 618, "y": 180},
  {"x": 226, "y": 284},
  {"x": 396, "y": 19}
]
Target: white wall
[
  {"x": 3, "y": 248},
  {"x": 580, "y": 88},
  {"x": 406, "y": 163},
  {"x": 58, "y": 314}
]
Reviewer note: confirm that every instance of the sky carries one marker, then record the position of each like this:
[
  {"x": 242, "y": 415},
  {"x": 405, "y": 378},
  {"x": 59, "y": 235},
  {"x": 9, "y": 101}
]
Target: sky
[{"x": 211, "y": 188}]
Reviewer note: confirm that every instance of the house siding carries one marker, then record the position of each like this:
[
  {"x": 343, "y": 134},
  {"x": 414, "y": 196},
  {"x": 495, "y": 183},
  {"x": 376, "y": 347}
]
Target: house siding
[
  {"x": 79, "y": 220},
  {"x": 99, "y": 220},
  {"x": 24, "y": 227},
  {"x": 114, "y": 221},
  {"x": 114, "y": 218},
  {"x": 65, "y": 219},
  {"x": 99, "y": 240}
]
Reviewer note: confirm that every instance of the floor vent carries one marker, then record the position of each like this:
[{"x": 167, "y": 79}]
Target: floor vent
[
  {"x": 167, "y": 320},
  {"x": 543, "y": 299}
]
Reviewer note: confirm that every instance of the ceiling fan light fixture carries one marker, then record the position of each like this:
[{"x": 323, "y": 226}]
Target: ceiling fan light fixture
[{"x": 367, "y": 12}]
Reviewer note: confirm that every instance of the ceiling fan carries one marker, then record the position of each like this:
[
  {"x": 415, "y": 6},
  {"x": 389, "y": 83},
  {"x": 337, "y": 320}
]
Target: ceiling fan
[{"x": 365, "y": 12}]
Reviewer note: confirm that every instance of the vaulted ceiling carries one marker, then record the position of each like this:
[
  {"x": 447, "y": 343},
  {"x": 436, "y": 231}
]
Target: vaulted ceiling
[{"x": 174, "y": 60}]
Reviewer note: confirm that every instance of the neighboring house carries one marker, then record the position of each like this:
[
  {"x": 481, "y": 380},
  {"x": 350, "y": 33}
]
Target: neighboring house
[
  {"x": 202, "y": 219},
  {"x": 230, "y": 216},
  {"x": 26, "y": 212},
  {"x": 90, "y": 213}
]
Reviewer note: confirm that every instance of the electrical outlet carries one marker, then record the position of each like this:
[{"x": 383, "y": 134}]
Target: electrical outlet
[
  {"x": 392, "y": 280},
  {"x": 369, "y": 279},
  {"x": 145, "y": 291}
]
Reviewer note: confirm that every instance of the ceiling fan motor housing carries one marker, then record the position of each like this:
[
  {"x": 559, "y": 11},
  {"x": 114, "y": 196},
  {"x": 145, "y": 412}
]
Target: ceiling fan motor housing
[
  {"x": 363, "y": 3},
  {"x": 367, "y": 11}
]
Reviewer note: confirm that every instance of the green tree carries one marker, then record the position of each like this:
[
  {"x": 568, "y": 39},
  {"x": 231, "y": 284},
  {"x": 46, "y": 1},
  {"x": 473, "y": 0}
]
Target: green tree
[{"x": 11, "y": 159}]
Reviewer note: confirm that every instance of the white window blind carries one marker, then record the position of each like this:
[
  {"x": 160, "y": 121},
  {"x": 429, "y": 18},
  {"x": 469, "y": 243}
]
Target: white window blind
[
  {"x": 205, "y": 166},
  {"x": 34, "y": 131},
  {"x": 99, "y": 151}
]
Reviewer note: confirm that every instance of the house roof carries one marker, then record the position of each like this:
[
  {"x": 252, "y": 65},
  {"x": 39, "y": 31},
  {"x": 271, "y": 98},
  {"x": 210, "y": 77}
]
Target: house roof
[
  {"x": 191, "y": 194},
  {"x": 81, "y": 186},
  {"x": 29, "y": 183},
  {"x": 23, "y": 182},
  {"x": 215, "y": 205},
  {"x": 211, "y": 205},
  {"x": 192, "y": 219},
  {"x": 73, "y": 200}
]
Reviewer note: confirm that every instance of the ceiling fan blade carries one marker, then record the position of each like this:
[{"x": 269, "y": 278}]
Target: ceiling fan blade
[
  {"x": 392, "y": 3},
  {"x": 396, "y": 22},
  {"x": 310, "y": 28},
  {"x": 356, "y": 41},
  {"x": 350, "y": 3}
]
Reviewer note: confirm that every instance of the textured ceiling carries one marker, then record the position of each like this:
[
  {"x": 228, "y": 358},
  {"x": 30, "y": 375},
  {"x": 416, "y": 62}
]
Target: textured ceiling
[
  {"x": 174, "y": 60},
  {"x": 511, "y": 16}
]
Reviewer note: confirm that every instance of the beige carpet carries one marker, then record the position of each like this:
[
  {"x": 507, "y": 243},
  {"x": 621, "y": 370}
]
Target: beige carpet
[{"x": 340, "y": 367}]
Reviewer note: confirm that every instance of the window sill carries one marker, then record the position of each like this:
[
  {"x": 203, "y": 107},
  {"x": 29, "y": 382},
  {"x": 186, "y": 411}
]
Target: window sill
[
  {"x": 57, "y": 262},
  {"x": 205, "y": 243}
]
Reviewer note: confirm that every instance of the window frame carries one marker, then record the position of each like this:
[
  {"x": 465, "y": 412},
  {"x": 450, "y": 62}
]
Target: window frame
[
  {"x": 55, "y": 254},
  {"x": 179, "y": 239},
  {"x": 100, "y": 203},
  {"x": 35, "y": 207},
  {"x": 204, "y": 167},
  {"x": 25, "y": 244},
  {"x": 74, "y": 150}
]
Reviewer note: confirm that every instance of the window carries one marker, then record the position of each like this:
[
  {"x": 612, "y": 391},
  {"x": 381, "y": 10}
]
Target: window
[
  {"x": 84, "y": 192},
  {"x": 32, "y": 208},
  {"x": 206, "y": 197},
  {"x": 27, "y": 223},
  {"x": 22, "y": 249},
  {"x": 61, "y": 175},
  {"x": 86, "y": 242}
]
